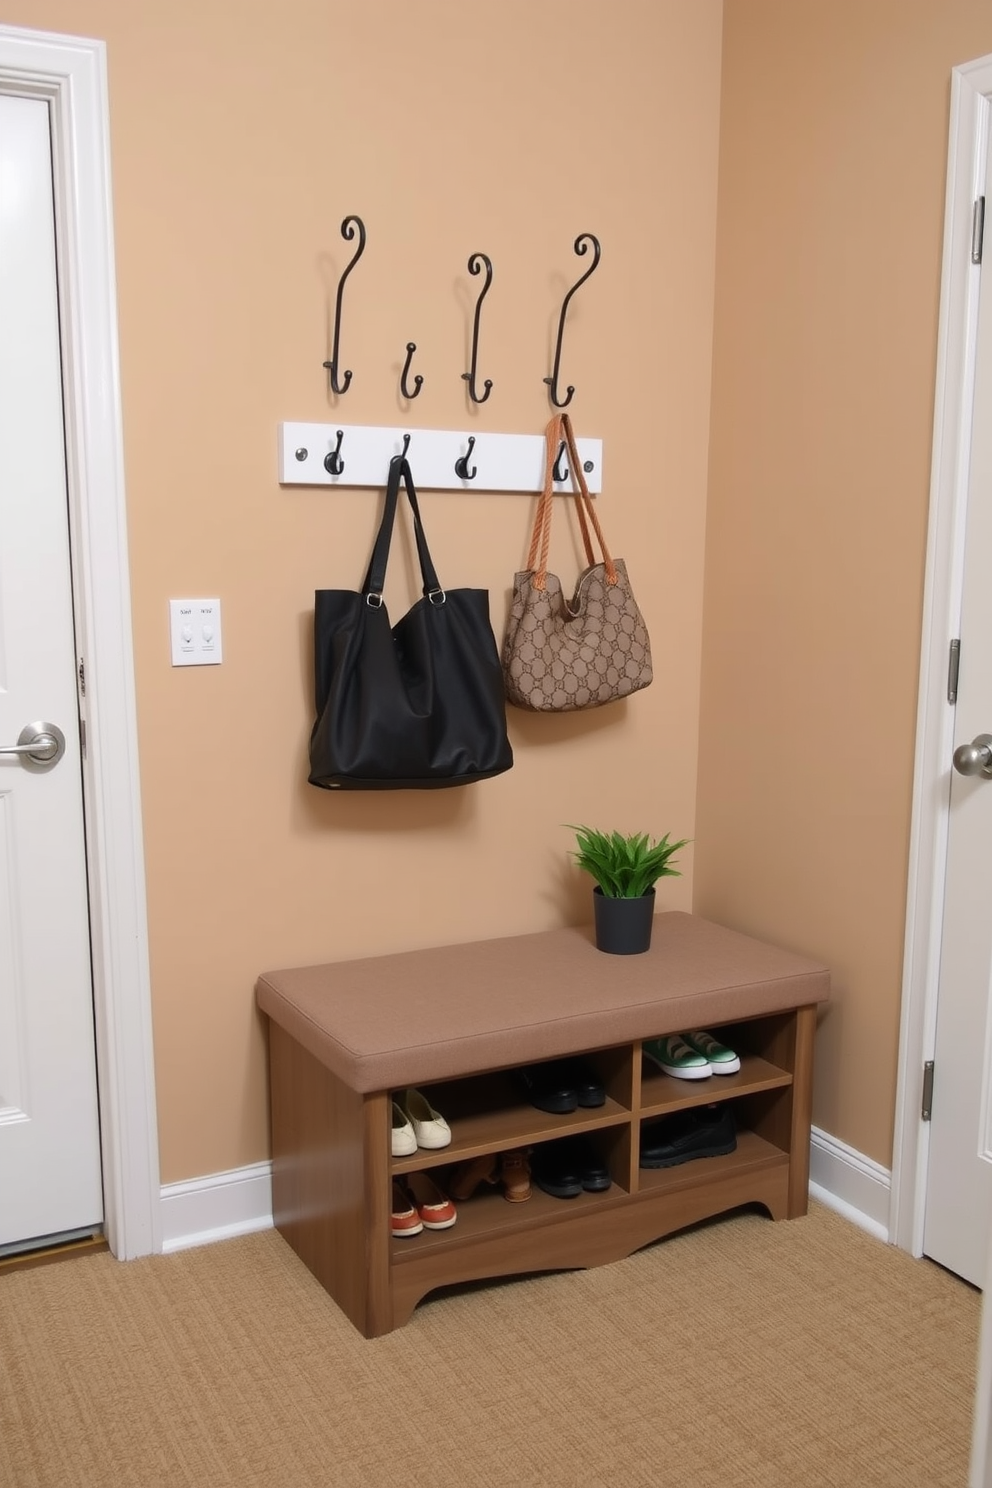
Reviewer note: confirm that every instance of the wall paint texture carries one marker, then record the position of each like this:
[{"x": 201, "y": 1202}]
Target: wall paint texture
[
  {"x": 832, "y": 170},
  {"x": 241, "y": 137}
]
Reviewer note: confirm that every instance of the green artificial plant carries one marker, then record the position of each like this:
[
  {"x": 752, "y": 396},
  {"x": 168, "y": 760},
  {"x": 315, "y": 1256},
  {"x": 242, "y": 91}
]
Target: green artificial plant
[{"x": 625, "y": 867}]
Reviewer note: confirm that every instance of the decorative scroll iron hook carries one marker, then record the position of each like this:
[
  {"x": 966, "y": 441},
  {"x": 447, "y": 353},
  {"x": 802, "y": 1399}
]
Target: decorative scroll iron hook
[
  {"x": 347, "y": 232},
  {"x": 559, "y": 472},
  {"x": 475, "y": 264},
  {"x": 333, "y": 463},
  {"x": 580, "y": 246},
  {"x": 418, "y": 381},
  {"x": 461, "y": 464}
]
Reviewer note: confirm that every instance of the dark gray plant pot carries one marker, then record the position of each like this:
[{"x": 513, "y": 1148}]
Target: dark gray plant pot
[{"x": 623, "y": 926}]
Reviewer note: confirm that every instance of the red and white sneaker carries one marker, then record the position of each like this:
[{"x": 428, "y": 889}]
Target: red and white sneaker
[
  {"x": 405, "y": 1219},
  {"x": 434, "y": 1208}
]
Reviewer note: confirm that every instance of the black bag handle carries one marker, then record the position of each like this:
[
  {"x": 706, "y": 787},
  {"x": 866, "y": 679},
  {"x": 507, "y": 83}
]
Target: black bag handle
[{"x": 375, "y": 579}]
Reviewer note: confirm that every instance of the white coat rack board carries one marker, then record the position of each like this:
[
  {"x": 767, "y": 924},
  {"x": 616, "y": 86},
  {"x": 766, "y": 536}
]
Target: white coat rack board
[{"x": 501, "y": 462}]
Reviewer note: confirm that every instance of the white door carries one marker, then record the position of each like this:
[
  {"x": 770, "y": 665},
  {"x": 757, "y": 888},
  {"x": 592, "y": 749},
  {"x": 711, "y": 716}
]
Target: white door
[
  {"x": 50, "y": 1179},
  {"x": 958, "y": 1218}
]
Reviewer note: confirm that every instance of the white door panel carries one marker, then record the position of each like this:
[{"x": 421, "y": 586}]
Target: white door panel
[
  {"x": 50, "y": 1179},
  {"x": 958, "y": 1221}
]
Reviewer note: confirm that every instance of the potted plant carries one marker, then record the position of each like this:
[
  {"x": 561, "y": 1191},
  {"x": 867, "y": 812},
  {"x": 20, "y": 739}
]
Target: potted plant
[{"x": 626, "y": 870}]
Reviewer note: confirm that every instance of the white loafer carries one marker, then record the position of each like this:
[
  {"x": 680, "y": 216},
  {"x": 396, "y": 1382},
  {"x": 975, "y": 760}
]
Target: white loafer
[
  {"x": 404, "y": 1141},
  {"x": 429, "y": 1126}
]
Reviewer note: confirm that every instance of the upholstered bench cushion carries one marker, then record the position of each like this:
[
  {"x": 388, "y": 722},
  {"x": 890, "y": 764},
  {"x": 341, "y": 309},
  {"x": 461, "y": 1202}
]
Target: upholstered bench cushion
[{"x": 419, "y": 1016}]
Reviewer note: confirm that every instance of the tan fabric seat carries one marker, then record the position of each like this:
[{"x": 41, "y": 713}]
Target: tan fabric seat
[{"x": 419, "y": 1016}]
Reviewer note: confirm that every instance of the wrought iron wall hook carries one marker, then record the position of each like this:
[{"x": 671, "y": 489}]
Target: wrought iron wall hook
[
  {"x": 558, "y": 472},
  {"x": 333, "y": 463},
  {"x": 418, "y": 381},
  {"x": 475, "y": 264},
  {"x": 580, "y": 246},
  {"x": 406, "y": 446},
  {"x": 347, "y": 232},
  {"x": 461, "y": 464}
]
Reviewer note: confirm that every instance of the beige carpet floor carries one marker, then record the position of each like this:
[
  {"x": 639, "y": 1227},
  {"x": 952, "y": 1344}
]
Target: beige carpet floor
[{"x": 741, "y": 1353}]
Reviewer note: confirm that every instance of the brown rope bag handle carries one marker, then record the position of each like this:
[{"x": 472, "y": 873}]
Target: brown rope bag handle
[{"x": 560, "y": 430}]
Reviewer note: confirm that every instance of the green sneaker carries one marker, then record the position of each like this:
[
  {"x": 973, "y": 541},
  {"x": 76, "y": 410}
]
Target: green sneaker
[
  {"x": 676, "y": 1057},
  {"x": 721, "y": 1060}
]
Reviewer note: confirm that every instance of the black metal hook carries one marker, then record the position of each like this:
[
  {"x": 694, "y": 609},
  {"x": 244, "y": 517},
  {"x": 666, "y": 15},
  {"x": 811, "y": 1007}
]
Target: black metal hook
[
  {"x": 461, "y": 464},
  {"x": 347, "y": 232},
  {"x": 475, "y": 264},
  {"x": 333, "y": 463},
  {"x": 558, "y": 473},
  {"x": 406, "y": 446},
  {"x": 580, "y": 246},
  {"x": 418, "y": 381}
]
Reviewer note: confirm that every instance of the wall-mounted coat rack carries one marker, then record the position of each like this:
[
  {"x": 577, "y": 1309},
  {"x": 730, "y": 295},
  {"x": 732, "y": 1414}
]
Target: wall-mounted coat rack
[{"x": 441, "y": 459}]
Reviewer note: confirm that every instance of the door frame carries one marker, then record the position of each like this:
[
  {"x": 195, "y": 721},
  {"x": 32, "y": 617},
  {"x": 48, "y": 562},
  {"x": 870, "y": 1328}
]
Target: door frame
[
  {"x": 70, "y": 73},
  {"x": 971, "y": 111}
]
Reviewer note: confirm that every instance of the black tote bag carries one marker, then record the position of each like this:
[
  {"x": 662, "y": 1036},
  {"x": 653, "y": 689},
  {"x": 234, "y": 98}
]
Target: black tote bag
[{"x": 416, "y": 706}]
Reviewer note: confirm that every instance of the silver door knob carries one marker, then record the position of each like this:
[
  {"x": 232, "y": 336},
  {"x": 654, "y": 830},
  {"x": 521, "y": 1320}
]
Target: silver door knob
[
  {"x": 38, "y": 744},
  {"x": 975, "y": 758}
]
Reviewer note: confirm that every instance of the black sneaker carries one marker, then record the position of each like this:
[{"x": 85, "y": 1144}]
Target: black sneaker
[{"x": 707, "y": 1131}]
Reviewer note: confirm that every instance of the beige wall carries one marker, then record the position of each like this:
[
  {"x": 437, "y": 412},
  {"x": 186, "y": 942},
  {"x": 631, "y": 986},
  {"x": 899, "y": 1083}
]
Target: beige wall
[
  {"x": 241, "y": 136},
  {"x": 832, "y": 165}
]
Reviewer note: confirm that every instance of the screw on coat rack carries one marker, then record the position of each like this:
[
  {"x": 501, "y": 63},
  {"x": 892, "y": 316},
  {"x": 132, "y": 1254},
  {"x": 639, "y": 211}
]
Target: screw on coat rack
[
  {"x": 475, "y": 264},
  {"x": 347, "y": 232},
  {"x": 461, "y": 464},
  {"x": 580, "y": 246},
  {"x": 418, "y": 381}
]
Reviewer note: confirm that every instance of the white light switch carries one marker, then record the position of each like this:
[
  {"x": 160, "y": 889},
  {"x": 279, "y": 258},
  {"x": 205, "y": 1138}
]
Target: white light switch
[{"x": 195, "y": 631}]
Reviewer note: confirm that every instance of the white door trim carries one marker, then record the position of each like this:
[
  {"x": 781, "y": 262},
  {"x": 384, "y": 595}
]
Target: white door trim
[
  {"x": 70, "y": 72},
  {"x": 971, "y": 98}
]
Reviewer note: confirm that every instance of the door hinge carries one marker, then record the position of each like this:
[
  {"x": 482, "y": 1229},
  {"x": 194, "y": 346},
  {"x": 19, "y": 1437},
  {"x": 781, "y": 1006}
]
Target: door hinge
[
  {"x": 82, "y": 677},
  {"x": 953, "y": 664},
  {"x": 977, "y": 229},
  {"x": 82, "y": 736},
  {"x": 927, "y": 1090}
]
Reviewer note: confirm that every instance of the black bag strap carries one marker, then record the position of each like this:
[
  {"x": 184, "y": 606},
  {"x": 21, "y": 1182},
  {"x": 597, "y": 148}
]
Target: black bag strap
[{"x": 375, "y": 579}]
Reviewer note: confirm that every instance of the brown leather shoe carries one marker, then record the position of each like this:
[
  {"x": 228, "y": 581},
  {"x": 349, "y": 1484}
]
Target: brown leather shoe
[
  {"x": 466, "y": 1178},
  {"x": 514, "y": 1172}
]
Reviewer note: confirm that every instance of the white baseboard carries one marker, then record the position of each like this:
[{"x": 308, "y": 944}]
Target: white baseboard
[
  {"x": 850, "y": 1183},
  {"x": 217, "y": 1207},
  {"x": 223, "y": 1205}
]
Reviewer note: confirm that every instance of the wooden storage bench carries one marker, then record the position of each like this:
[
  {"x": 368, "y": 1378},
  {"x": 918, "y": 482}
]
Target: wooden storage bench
[{"x": 455, "y": 1021}]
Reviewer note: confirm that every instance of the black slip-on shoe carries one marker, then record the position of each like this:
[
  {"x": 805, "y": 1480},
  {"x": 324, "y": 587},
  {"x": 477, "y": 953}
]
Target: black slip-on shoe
[
  {"x": 554, "y": 1171},
  {"x": 565, "y": 1167},
  {"x": 559, "y": 1085},
  {"x": 580, "y": 1153},
  {"x": 707, "y": 1131},
  {"x": 590, "y": 1091},
  {"x": 548, "y": 1087}
]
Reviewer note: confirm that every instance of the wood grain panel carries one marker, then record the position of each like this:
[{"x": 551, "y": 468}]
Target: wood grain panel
[
  {"x": 594, "y": 1235},
  {"x": 319, "y": 1174}
]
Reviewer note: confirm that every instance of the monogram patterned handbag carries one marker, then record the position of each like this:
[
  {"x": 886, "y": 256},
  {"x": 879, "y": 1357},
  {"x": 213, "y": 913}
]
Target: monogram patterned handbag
[{"x": 560, "y": 655}]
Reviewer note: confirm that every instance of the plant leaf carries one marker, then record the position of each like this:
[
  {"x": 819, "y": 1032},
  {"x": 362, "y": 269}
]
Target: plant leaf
[{"x": 625, "y": 867}]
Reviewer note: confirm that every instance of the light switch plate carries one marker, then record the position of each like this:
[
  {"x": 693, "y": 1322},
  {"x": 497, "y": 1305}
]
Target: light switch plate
[{"x": 195, "y": 631}]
